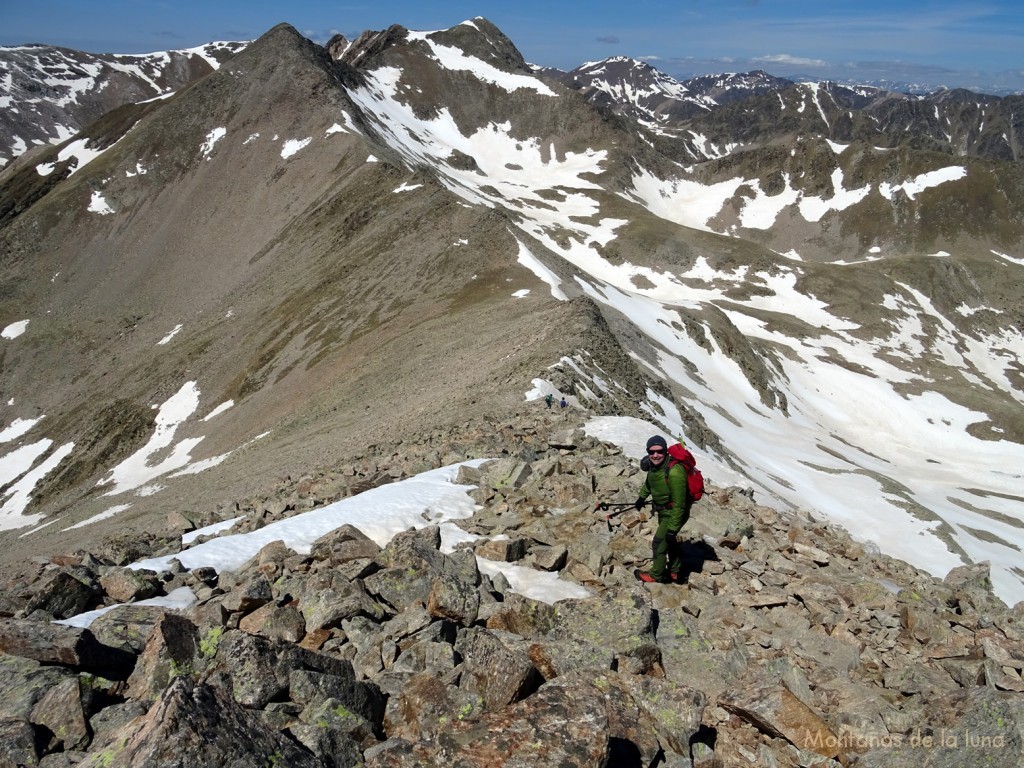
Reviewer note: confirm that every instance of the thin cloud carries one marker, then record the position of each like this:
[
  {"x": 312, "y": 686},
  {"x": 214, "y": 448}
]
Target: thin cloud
[
  {"x": 610, "y": 39},
  {"x": 789, "y": 61}
]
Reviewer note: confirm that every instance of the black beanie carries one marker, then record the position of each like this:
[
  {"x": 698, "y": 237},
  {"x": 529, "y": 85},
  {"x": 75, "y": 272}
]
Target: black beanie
[{"x": 657, "y": 440}]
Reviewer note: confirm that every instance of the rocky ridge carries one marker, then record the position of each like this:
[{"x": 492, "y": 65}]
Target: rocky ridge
[{"x": 790, "y": 644}]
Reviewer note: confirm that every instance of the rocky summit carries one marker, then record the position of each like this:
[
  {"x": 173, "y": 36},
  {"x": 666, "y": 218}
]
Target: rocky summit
[{"x": 788, "y": 643}]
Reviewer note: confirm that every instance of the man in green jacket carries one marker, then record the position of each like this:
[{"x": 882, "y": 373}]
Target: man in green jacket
[{"x": 670, "y": 497}]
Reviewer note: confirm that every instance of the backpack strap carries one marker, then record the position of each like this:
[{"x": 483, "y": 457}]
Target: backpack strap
[{"x": 668, "y": 466}]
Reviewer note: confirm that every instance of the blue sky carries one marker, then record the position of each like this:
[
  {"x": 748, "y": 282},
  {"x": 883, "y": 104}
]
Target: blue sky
[{"x": 968, "y": 44}]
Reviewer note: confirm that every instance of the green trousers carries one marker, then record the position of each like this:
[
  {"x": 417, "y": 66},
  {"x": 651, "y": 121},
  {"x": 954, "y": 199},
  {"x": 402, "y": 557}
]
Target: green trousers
[{"x": 666, "y": 548}]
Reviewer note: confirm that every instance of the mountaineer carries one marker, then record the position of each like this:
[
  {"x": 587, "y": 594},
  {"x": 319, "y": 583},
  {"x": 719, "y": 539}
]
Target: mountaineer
[{"x": 667, "y": 485}]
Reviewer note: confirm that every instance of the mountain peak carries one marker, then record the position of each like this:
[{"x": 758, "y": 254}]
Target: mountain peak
[{"x": 300, "y": 240}]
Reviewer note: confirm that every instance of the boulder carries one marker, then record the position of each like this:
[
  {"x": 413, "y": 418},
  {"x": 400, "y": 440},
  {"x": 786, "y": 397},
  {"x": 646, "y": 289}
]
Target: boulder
[
  {"x": 61, "y": 712},
  {"x": 343, "y": 545},
  {"x": 565, "y": 726},
  {"x": 326, "y": 603},
  {"x": 127, "y": 626},
  {"x": 333, "y": 734},
  {"x": 505, "y": 474},
  {"x": 621, "y": 620},
  {"x": 252, "y": 593},
  {"x": 503, "y": 549},
  {"x": 777, "y": 712},
  {"x": 61, "y": 595},
  {"x": 497, "y": 673},
  {"x": 23, "y": 682},
  {"x": 973, "y": 727},
  {"x": 549, "y": 558},
  {"x": 454, "y": 598},
  {"x": 17, "y": 743},
  {"x": 426, "y": 704},
  {"x": 172, "y": 650},
  {"x": 194, "y": 725},
  {"x": 284, "y": 622},
  {"x": 60, "y": 644},
  {"x": 555, "y": 658},
  {"x": 126, "y": 585}
]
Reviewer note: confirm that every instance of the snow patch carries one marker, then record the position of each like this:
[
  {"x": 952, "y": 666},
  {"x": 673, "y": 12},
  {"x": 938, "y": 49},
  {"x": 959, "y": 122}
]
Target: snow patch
[{"x": 14, "y": 330}]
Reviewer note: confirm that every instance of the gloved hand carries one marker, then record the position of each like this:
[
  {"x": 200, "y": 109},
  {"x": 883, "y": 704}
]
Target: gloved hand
[
  {"x": 670, "y": 537},
  {"x": 639, "y": 504}
]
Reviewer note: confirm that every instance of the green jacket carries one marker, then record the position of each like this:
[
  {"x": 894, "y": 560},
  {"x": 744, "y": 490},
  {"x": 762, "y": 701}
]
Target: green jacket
[{"x": 669, "y": 496}]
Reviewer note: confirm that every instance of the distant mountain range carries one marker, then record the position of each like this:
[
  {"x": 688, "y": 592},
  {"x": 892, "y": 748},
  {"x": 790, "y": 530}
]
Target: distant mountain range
[{"x": 958, "y": 121}]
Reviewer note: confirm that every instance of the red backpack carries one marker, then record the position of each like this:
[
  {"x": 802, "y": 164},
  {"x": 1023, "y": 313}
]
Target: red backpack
[{"x": 677, "y": 454}]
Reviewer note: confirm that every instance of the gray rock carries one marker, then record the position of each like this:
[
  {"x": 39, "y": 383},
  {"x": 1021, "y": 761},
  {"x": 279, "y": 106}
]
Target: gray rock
[
  {"x": 971, "y": 728},
  {"x": 555, "y": 658},
  {"x": 412, "y": 561},
  {"x": 199, "y": 725},
  {"x": 777, "y": 712},
  {"x": 565, "y": 726},
  {"x": 172, "y": 650},
  {"x": 523, "y": 616},
  {"x": 60, "y": 710},
  {"x": 252, "y": 665},
  {"x": 549, "y": 558},
  {"x": 425, "y": 704},
  {"x": 426, "y": 656},
  {"x": 17, "y": 743},
  {"x": 335, "y": 735},
  {"x": 564, "y": 439},
  {"x": 343, "y": 545},
  {"x": 61, "y": 595},
  {"x": 284, "y": 622},
  {"x": 253, "y": 592},
  {"x": 454, "y": 598},
  {"x": 328, "y": 606},
  {"x": 503, "y": 550},
  {"x": 60, "y": 644},
  {"x": 126, "y": 585},
  {"x": 647, "y": 713},
  {"x": 687, "y": 657},
  {"x": 406, "y": 624},
  {"x": 106, "y": 723},
  {"x": 127, "y": 626},
  {"x": 630, "y": 635},
  {"x": 919, "y": 678},
  {"x": 499, "y": 675},
  {"x": 23, "y": 682},
  {"x": 505, "y": 474}
]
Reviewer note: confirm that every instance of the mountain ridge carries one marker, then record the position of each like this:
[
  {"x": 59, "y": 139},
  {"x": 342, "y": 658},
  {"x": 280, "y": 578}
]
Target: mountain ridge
[{"x": 340, "y": 274}]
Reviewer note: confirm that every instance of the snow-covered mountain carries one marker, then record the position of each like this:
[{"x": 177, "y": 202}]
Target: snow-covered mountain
[
  {"x": 48, "y": 94},
  {"x": 751, "y": 108},
  {"x": 303, "y": 254},
  {"x": 643, "y": 93}
]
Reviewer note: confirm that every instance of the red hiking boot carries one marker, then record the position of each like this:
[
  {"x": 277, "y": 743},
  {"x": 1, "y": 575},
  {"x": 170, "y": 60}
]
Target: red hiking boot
[{"x": 646, "y": 578}]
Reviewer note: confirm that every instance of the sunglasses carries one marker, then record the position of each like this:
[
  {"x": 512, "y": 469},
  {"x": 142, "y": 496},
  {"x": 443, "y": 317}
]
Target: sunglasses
[{"x": 656, "y": 452}]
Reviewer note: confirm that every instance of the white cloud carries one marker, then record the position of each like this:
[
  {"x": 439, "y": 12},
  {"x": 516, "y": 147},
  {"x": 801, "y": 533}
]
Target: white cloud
[{"x": 785, "y": 58}]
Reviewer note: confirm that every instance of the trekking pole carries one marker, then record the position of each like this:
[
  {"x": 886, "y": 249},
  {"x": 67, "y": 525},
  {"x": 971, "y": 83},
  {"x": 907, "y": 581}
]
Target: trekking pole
[{"x": 604, "y": 506}]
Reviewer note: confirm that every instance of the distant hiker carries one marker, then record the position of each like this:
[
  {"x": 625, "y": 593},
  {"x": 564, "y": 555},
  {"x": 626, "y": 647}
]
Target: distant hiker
[
  {"x": 563, "y": 403},
  {"x": 671, "y": 501},
  {"x": 549, "y": 399}
]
